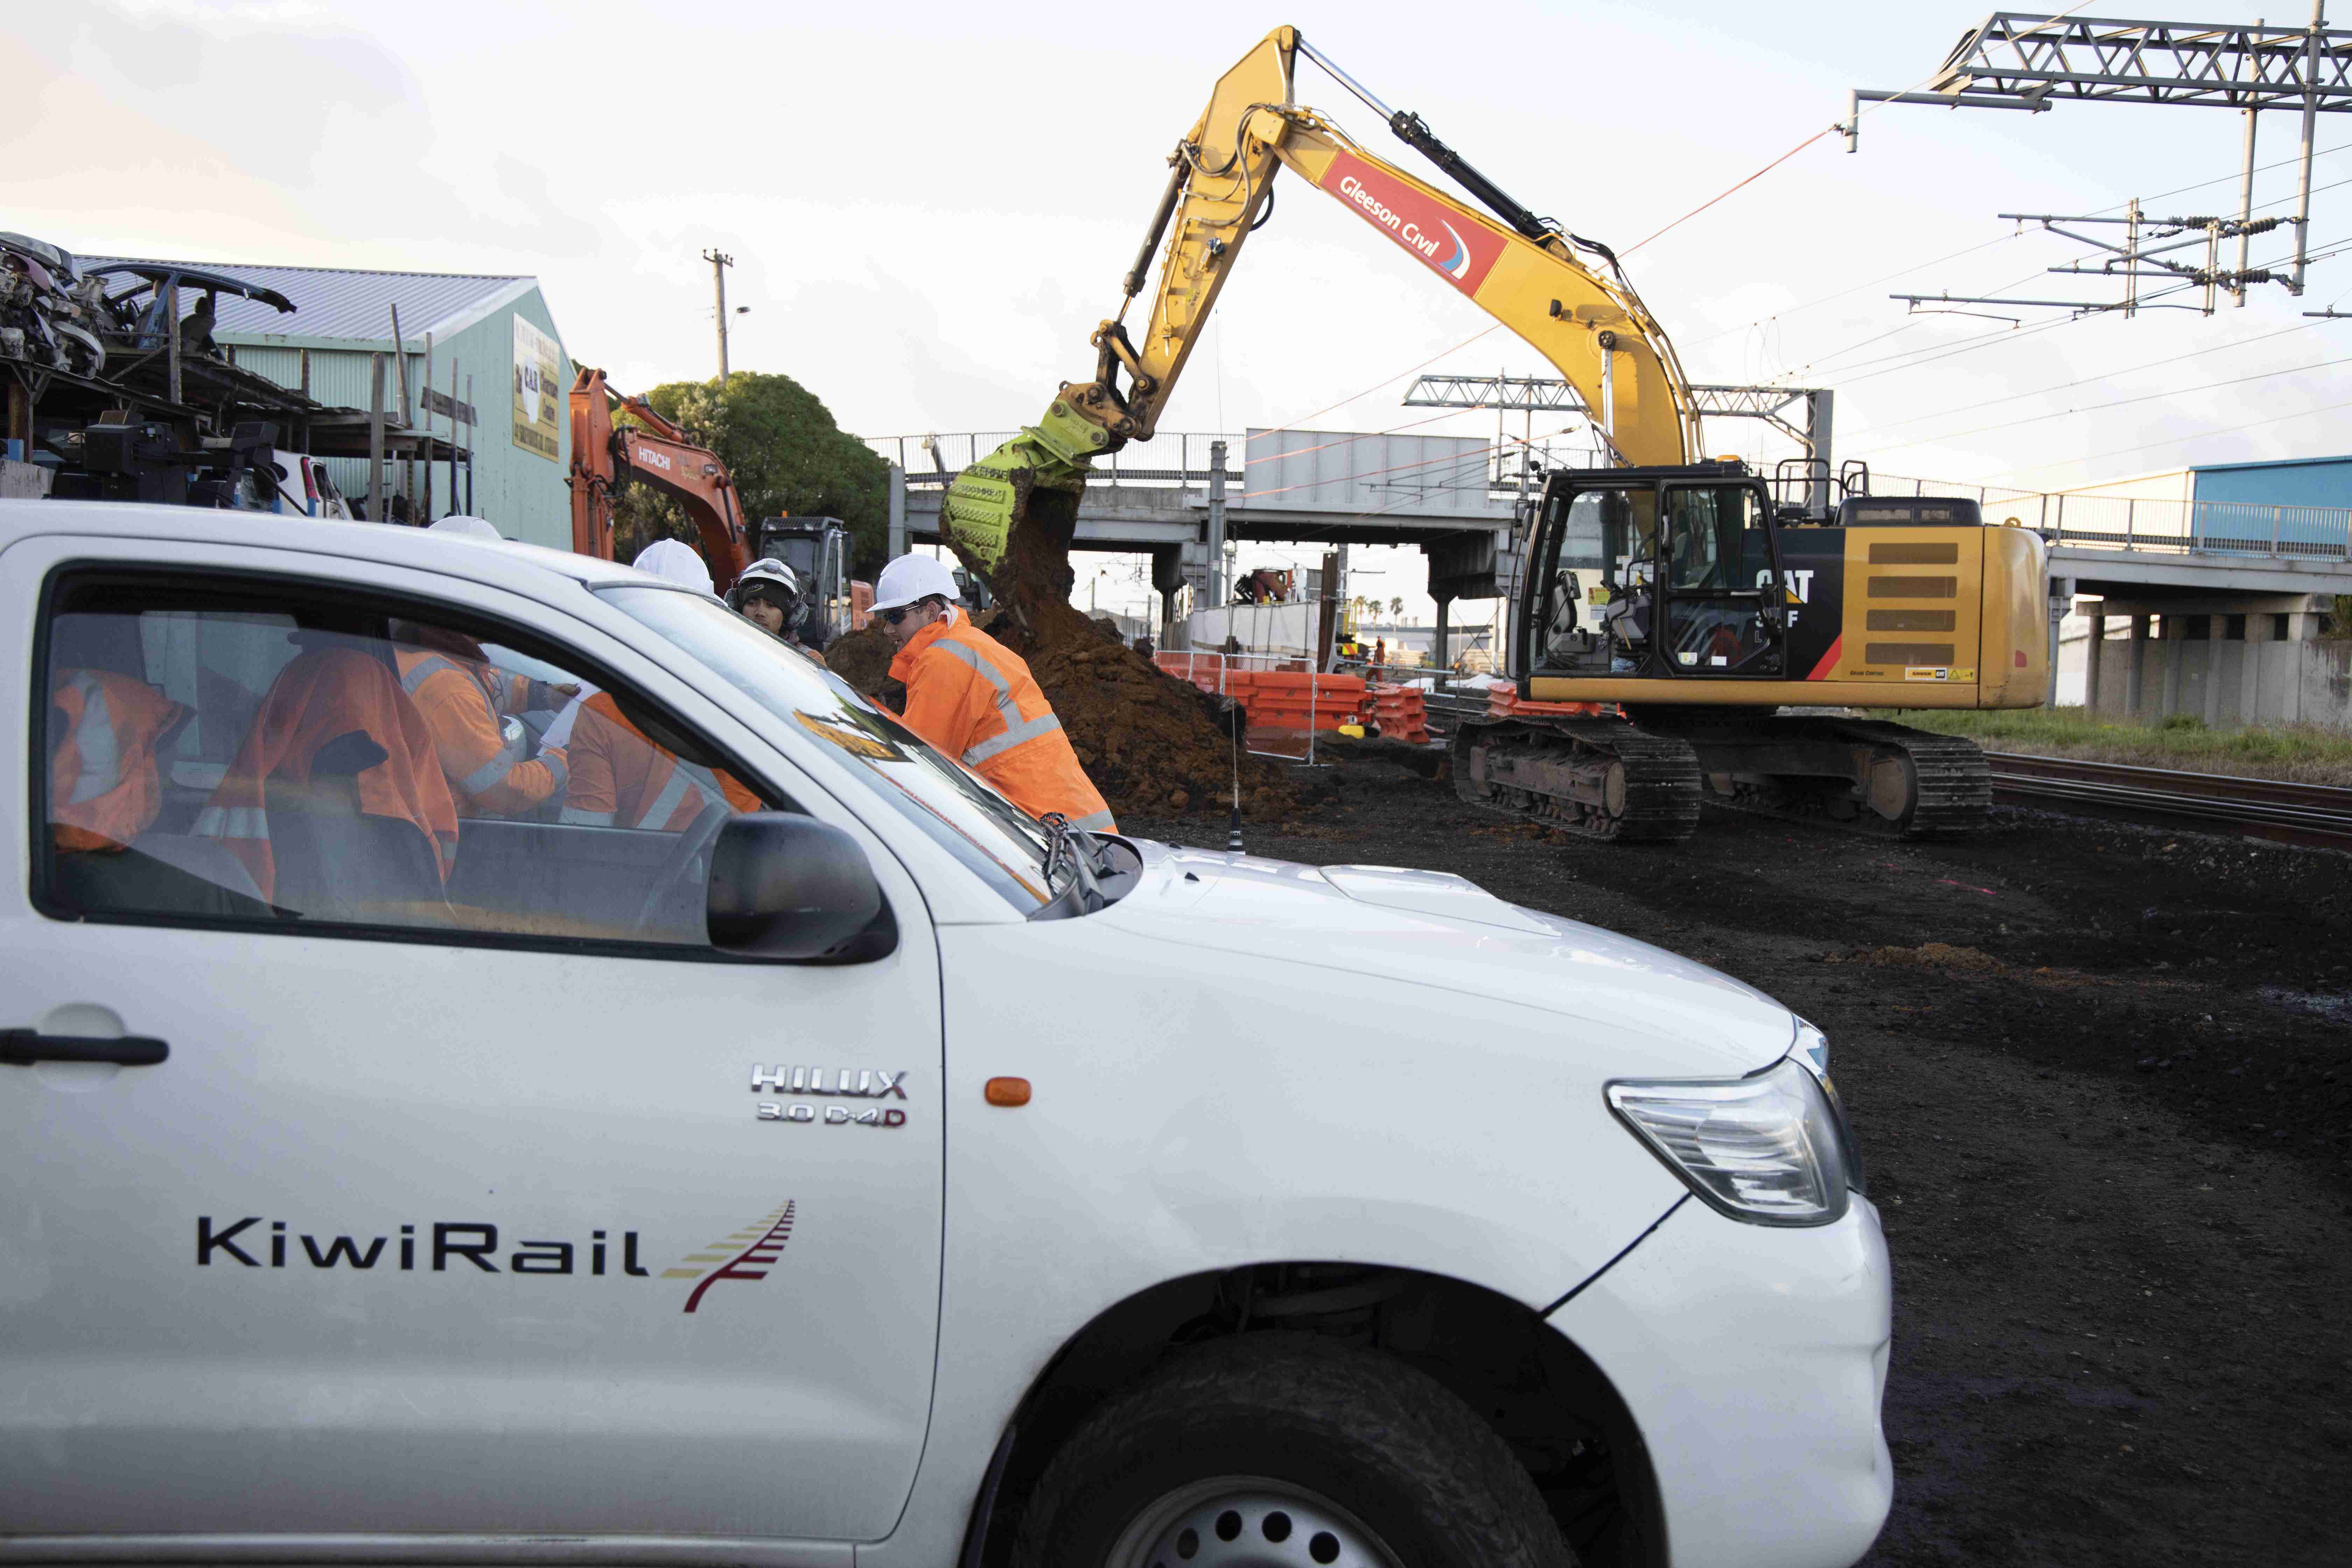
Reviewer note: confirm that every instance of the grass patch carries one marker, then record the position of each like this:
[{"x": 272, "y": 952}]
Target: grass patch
[{"x": 2307, "y": 754}]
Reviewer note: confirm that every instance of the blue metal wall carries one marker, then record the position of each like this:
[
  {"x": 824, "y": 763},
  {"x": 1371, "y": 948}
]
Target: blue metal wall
[{"x": 2300, "y": 481}]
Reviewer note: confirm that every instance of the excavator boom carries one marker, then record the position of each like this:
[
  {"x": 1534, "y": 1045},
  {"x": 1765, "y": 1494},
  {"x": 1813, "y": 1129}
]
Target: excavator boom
[
  {"x": 606, "y": 456},
  {"x": 1526, "y": 274}
]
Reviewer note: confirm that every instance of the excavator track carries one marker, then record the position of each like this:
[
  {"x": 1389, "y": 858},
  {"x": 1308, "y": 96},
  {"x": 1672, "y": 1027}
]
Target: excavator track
[
  {"x": 1863, "y": 775},
  {"x": 1598, "y": 778}
]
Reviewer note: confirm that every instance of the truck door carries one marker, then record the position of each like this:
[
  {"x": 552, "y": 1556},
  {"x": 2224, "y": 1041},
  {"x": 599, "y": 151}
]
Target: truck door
[
  {"x": 1725, "y": 611},
  {"x": 469, "y": 1193}
]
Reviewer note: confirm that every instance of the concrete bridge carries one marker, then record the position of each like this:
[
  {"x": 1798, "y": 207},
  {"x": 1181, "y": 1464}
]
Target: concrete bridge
[{"x": 2167, "y": 570}]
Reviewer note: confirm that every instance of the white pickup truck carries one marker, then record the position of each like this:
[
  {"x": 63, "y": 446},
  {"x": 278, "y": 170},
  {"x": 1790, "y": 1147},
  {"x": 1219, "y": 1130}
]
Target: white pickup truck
[{"x": 740, "y": 1138}]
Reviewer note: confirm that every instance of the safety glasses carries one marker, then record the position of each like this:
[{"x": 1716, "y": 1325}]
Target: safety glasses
[{"x": 894, "y": 616}]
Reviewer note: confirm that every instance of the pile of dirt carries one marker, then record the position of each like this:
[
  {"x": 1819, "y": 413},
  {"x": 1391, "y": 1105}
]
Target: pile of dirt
[
  {"x": 1152, "y": 744},
  {"x": 1930, "y": 955}
]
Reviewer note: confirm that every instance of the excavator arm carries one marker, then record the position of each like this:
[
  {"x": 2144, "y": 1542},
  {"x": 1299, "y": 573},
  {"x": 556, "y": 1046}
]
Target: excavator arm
[
  {"x": 606, "y": 456},
  {"x": 1527, "y": 273}
]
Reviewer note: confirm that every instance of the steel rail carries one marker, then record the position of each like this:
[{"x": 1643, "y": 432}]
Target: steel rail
[{"x": 2310, "y": 816}]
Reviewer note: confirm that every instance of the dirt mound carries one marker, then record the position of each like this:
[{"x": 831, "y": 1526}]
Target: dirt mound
[
  {"x": 862, "y": 658},
  {"x": 1153, "y": 745},
  {"x": 1932, "y": 955}
]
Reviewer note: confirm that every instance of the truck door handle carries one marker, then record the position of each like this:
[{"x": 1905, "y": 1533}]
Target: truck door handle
[{"x": 22, "y": 1048}]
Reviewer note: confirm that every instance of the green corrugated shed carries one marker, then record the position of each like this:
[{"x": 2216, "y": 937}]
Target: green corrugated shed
[{"x": 342, "y": 316}]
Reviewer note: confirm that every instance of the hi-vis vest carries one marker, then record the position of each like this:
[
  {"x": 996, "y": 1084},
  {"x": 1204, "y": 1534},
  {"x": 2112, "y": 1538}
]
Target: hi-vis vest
[
  {"x": 621, "y": 779},
  {"x": 462, "y": 702},
  {"x": 974, "y": 699}
]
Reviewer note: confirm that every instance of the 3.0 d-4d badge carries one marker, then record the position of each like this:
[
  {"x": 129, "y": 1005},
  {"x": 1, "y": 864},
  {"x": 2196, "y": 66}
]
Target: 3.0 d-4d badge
[{"x": 867, "y": 1083}]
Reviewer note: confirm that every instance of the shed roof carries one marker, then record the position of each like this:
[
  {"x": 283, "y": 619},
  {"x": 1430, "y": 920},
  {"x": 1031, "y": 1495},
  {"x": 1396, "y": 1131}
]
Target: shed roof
[{"x": 349, "y": 304}]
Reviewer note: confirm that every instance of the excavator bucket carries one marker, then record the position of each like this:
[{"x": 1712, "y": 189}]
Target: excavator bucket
[{"x": 1010, "y": 517}]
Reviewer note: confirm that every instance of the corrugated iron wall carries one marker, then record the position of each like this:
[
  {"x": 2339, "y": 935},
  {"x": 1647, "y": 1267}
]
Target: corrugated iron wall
[{"x": 521, "y": 493}]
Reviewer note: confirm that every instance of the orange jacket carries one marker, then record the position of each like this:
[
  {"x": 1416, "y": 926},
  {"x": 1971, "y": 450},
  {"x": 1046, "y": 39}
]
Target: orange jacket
[
  {"x": 974, "y": 699},
  {"x": 104, "y": 790},
  {"x": 621, "y": 779},
  {"x": 461, "y": 701},
  {"x": 322, "y": 695}
]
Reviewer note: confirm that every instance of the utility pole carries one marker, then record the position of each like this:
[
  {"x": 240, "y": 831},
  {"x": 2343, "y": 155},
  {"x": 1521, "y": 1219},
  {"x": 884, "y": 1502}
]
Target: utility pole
[{"x": 719, "y": 262}]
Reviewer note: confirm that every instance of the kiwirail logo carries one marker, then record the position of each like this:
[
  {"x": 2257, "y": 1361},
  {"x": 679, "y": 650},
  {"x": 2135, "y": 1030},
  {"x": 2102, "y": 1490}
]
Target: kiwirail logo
[
  {"x": 1463, "y": 253},
  {"x": 746, "y": 1255},
  {"x": 469, "y": 1250}
]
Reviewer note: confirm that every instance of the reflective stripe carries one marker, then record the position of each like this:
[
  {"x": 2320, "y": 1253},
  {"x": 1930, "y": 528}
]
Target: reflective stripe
[
  {"x": 1095, "y": 822},
  {"x": 556, "y": 768},
  {"x": 579, "y": 818},
  {"x": 425, "y": 670},
  {"x": 1007, "y": 710},
  {"x": 1043, "y": 724},
  {"x": 233, "y": 822},
  {"x": 488, "y": 775},
  {"x": 101, "y": 755},
  {"x": 666, "y": 804}
]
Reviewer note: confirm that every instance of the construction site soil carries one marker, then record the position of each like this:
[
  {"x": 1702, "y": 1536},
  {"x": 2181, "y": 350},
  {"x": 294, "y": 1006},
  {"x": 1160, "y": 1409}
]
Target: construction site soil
[{"x": 2103, "y": 1080}]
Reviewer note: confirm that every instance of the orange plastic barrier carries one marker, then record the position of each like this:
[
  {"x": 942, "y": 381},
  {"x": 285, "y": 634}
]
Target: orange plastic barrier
[
  {"x": 1503, "y": 702},
  {"x": 1401, "y": 712},
  {"x": 1288, "y": 700}
]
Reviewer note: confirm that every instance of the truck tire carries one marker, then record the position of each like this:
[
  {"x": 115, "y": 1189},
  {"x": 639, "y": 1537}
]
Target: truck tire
[{"x": 1279, "y": 1448}]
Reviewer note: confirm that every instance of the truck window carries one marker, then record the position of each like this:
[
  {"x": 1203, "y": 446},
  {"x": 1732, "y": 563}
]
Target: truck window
[
  {"x": 873, "y": 752},
  {"x": 259, "y": 751}
]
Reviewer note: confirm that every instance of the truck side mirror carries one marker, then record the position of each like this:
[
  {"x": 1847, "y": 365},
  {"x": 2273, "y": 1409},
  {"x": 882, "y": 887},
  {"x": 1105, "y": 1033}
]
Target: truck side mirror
[{"x": 790, "y": 887}]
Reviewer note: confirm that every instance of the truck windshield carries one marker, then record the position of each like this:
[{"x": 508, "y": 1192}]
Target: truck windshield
[{"x": 874, "y": 752}]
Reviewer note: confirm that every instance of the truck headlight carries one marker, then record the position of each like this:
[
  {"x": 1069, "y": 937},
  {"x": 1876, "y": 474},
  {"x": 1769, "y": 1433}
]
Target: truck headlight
[{"x": 1769, "y": 1148}]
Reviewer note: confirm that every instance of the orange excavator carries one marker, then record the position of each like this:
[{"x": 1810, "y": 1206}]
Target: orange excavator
[{"x": 654, "y": 451}]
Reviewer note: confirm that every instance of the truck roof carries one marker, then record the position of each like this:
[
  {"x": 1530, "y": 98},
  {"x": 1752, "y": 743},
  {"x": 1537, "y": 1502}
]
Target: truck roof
[{"x": 506, "y": 562}]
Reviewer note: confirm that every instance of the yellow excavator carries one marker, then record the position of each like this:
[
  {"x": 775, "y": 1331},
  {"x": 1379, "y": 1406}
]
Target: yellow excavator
[{"x": 1695, "y": 599}]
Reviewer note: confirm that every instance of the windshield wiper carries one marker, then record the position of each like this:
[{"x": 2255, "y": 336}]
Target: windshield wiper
[{"x": 1084, "y": 896}]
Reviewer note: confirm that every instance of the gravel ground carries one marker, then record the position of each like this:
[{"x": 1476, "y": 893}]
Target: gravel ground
[{"x": 2103, "y": 1080}]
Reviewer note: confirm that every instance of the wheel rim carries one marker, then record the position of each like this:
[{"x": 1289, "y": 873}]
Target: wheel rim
[{"x": 1249, "y": 1522}]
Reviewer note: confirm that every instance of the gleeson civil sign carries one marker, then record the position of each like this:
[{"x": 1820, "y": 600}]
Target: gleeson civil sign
[{"x": 1457, "y": 248}]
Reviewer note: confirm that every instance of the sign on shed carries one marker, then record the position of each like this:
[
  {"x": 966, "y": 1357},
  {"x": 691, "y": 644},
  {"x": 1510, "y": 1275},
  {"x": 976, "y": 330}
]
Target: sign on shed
[{"x": 538, "y": 369}]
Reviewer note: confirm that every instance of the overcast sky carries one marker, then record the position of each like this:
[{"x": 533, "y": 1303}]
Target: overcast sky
[{"x": 931, "y": 205}]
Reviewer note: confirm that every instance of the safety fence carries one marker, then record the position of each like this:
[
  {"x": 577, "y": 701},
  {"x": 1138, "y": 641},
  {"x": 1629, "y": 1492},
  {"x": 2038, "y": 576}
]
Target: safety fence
[
  {"x": 1285, "y": 705},
  {"x": 2172, "y": 524}
]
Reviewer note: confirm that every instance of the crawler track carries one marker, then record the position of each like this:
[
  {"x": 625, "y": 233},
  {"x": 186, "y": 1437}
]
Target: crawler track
[
  {"x": 2312, "y": 815},
  {"x": 1599, "y": 778},
  {"x": 1905, "y": 782}
]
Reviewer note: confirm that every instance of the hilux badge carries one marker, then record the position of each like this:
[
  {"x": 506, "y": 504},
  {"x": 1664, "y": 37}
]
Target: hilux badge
[{"x": 831, "y": 1083}]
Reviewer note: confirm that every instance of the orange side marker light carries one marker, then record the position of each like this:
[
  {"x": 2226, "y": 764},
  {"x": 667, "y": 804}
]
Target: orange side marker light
[{"x": 1008, "y": 1091}]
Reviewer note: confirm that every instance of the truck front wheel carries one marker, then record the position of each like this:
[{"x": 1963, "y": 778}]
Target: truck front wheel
[{"x": 1277, "y": 1449}]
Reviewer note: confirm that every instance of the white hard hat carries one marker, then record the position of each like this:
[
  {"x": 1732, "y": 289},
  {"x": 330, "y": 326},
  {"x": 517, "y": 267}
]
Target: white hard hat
[
  {"x": 767, "y": 569},
  {"x": 675, "y": 563},
  {"x": 913, "y": 577},
  {"x": 464, "y": 527}
]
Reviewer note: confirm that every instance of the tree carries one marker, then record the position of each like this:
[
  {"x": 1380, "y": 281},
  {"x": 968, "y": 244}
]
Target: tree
[
  {"x": 1396, "y": 608},
  {"x": 788, "y": 459}
]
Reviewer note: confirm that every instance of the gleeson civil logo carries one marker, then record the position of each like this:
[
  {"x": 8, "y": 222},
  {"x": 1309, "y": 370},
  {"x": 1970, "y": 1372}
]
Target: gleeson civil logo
[{"x": 1462, "y": 253}]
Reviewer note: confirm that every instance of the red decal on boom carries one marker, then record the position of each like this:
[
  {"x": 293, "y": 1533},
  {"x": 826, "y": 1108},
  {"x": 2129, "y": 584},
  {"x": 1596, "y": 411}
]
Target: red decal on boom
[{"x": 1459, "y": 247}]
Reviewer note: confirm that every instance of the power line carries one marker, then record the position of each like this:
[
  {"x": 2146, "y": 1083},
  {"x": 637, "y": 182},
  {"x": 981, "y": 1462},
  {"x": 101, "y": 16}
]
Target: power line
[
  {"x": 2080, "y": 381},
  {"x": 2173, "y": 441},
  {"x": 2118, "y": 402}
]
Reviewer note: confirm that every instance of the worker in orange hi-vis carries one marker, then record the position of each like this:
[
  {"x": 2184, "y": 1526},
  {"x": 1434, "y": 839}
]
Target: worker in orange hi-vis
[
  {"x": 974, "y": 698},
  {"x": 467, "y": 703},
  {"x": 619, "y": 777},
  {"x": 104, "y": 787},
  {"x": 322, "y": 696}
]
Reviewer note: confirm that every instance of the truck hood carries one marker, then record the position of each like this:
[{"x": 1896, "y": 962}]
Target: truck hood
[{"x": 1437, "y": 930}]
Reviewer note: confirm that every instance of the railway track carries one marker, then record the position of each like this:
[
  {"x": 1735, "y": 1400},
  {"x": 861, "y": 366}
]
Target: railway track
[{"x": 2313, "y": 815}]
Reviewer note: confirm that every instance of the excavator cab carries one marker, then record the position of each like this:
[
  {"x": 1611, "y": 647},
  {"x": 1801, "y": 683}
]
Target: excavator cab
[{"x": 1655, "y": 573}]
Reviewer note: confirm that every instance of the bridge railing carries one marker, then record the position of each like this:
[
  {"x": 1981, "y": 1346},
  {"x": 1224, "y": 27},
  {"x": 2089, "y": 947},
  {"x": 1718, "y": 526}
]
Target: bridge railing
[
  {"x": 2169, "y": 525},
  {"x": 1171, "y": 458}
]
